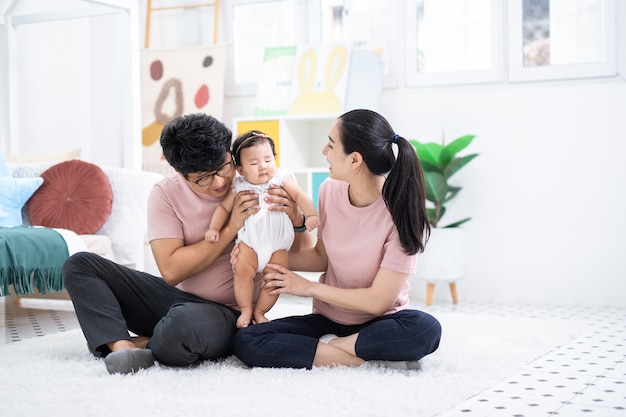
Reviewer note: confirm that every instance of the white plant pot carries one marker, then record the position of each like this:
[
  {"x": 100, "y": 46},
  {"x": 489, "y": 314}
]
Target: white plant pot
[
  {"x": 443, "y": 257},
  {"x": 441, "y": 261}
]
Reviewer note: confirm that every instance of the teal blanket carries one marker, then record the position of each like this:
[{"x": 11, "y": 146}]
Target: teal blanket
[{"x": 31, "y": 256}]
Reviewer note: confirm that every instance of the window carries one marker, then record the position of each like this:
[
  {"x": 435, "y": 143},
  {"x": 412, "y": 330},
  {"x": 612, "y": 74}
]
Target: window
[
  {"x": 437, "y": 42},
  {"x": 371, "y": 24},
  {"x": 252, "y": 26},
  {"x": 453, "y": 41},
  {"x": 561, "y": 39}
]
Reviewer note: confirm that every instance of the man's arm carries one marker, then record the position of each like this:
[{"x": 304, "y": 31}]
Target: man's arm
[{"x": 177, "y": 262}]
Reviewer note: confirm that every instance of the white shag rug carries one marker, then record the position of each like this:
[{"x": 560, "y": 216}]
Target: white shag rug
[{"x": 55, "y": 375}]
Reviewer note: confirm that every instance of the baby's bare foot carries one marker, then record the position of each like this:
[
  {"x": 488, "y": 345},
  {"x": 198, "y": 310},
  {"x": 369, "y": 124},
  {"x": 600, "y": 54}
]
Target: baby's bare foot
[
  {"x": 259, "y": 317},
  {"x": 244, "y": 320}
]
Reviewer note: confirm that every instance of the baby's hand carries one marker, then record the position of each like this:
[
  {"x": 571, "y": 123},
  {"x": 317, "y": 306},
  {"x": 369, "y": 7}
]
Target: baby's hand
[
  {"x": 311, "y": 222},
  {"x": 212, "y": 235}
]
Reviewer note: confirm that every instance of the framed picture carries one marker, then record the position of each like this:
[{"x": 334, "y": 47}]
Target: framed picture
[{"x": 175, "y": 82}]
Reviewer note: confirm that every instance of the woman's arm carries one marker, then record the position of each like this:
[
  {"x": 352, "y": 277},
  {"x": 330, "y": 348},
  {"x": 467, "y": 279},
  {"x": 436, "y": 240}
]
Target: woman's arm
[
  {"x": 177, "y": 261},
  {"x": 375, "y": 300},
  {"x": 309, "y": 259}
]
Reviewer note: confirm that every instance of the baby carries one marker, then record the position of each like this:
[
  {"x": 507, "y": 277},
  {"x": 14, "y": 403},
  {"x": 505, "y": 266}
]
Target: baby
[{"x": 267, "y": 235}]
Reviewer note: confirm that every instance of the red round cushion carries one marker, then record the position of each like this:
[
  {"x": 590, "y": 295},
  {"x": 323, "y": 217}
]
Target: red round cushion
[{"x": 75, "y": 195}]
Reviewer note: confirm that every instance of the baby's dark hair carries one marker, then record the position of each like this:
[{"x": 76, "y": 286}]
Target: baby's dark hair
[
  {"x": 195, "y": 143},
  {"x": 248, "y": 140}
]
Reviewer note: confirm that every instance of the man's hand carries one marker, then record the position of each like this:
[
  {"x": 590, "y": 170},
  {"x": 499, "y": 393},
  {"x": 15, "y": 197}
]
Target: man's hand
[
  {"x": 279, "y": 200},
  {"x": 246, "y": 204}
]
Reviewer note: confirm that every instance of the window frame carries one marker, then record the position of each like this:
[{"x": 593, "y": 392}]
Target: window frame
[
  {"x": 506, "y": 49},
  {"x": 247, "y": 89},
  {"x": 493, "y": 75},
  {"x": 395, "y": 50},
  {"x": 519, "y": 73},
  {"x": 310, "y": 24}
]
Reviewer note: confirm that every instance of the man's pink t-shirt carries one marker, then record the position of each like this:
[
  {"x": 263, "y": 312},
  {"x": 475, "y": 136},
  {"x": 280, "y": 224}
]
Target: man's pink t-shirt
[
  {"x": 175, "y": 211},
  {"x": 359, "y": 241}
]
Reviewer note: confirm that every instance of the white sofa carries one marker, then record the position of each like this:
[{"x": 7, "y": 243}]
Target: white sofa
[{"x": 126, "y": 226}]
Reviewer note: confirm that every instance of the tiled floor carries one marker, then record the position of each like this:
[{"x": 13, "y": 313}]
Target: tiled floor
[
  {"x": 34, "y": 317},
  {"x": 586, "y": 377}
]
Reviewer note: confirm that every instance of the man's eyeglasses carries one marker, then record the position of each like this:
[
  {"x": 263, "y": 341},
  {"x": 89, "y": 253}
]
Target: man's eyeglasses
[{"x": 222, "y": 171}]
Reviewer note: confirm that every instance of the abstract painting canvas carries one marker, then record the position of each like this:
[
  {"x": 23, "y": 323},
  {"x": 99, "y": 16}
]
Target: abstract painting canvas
[{"x": 175, "y": 82}]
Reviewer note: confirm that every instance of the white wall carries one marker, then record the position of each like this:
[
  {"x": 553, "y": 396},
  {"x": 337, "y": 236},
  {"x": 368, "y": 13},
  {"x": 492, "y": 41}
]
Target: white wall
[
  {"x": 547, "y": 193},
  {"x": 71, "y": 81}
]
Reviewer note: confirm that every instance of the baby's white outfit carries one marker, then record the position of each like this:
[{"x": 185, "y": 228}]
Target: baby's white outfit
[{"x": 266, "y": 231}]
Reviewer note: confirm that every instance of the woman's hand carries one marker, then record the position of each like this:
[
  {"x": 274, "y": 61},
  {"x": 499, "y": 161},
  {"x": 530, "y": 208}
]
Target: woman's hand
[
  {"x": 280, "y": 280},
  {"x": 280, "y": 200},
  {"x": 246, "y": 204}
]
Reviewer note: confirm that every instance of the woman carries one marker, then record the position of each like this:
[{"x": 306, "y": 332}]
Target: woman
[{"x": 373, "y": 224}]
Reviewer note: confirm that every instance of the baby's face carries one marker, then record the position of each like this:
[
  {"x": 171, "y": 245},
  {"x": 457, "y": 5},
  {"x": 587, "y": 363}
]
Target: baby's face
[{"x": 257, "y": 163}]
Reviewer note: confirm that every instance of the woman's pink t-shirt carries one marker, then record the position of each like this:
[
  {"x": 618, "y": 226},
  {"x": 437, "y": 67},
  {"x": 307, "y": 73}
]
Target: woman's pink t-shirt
[
  {"x": 359, "y": 241},
  {"x": 175, "y": 211}
]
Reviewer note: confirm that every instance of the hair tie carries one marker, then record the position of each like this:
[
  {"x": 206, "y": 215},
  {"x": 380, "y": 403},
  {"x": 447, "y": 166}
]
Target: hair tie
[{"x": 394, "y": 146}]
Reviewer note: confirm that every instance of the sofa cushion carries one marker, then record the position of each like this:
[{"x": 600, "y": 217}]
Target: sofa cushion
[
  {"x": 127, "y": 226},
  {"x": 75, "y": 195},
  {"x": 14, "y": 192}
]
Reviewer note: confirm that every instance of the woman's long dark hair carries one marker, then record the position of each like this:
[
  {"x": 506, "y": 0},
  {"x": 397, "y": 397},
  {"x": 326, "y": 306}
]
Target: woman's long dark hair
[{"x": 371, "y": 135}]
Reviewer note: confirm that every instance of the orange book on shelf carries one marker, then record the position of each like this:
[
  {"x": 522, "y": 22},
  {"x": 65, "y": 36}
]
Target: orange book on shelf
[{"x": 269, "y": 127}]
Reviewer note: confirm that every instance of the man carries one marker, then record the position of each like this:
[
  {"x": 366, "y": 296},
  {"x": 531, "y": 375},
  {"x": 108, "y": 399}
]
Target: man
[{"x": 189, "y": 314}]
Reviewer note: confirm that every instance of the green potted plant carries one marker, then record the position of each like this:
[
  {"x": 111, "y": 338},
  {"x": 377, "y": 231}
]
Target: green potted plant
[
  {"x": 442, "y": 259},
  {"x": 439, "y": 162}
]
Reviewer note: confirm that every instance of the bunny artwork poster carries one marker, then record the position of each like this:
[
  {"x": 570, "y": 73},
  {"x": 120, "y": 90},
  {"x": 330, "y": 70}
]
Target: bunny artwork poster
[{"x": 320, "y": 78}]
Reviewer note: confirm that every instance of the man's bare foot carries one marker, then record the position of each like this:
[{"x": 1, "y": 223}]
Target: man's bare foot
[
  {"x": 141, "y": 342},
  {"x": 121, "y": 345}
]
